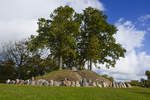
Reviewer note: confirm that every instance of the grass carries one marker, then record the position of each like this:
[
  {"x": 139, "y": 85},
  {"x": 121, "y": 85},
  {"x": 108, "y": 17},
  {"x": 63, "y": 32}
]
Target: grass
[
  {"x": 62, "y": 74},
  {"x": 14, "y": 92}
]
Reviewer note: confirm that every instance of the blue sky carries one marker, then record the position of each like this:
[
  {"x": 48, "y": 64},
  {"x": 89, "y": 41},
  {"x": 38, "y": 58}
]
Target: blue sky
[
  {"x": 18, "y": 20},
  {"x": 130, "y": 10}
]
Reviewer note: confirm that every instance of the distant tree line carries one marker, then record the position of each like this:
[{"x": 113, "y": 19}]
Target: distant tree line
[
  {"x": 108, "y": 77},
  {"x": 67, "y": 39},
  {"x": 143, "y": 82}
]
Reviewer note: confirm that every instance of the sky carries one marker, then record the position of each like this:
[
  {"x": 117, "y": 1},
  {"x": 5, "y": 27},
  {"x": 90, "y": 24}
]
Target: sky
[{"x": 18, "y": 20}]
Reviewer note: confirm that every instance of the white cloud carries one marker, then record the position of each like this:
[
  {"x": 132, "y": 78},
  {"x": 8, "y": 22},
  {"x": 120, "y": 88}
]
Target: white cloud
[
  {"x": 134, "y": 65},
  {"x": 16, "y": 29},
  {"x": 129, "y": 36},
  {"x": 18, "y": 17},
  {"x": 144, "y": 18},
  {"x": 79, "y": 6},
  {"x": 144, "y": 21},
  {"x": 148, "y": 29}
]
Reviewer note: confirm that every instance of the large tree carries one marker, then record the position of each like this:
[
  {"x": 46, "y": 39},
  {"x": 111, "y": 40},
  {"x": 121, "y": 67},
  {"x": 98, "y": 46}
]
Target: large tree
[
  {"x": 96, "y": 43},
  {"x": 16, "y": 52},
  {"x": 58, "y": 34},
  {"x": 147, "y": 73},
  {"x": 75, "y": 39},
  {"x": 7, "y": 70},
  {"x": 27, "y": 63}
]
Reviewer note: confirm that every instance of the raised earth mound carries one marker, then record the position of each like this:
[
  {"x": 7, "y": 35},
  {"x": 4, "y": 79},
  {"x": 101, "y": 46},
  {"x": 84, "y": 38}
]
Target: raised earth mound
[{"x": 72, "y": 76}]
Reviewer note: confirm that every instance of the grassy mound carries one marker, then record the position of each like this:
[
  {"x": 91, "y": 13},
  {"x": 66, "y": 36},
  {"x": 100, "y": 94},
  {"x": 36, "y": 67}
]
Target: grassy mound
[
  {"x": 73, "y": 76},
  {"x": 14, "y": 92}
]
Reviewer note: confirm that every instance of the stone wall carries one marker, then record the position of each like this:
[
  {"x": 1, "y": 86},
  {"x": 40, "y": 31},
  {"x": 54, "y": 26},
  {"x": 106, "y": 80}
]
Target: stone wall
[{"x": 66, "y": 82}]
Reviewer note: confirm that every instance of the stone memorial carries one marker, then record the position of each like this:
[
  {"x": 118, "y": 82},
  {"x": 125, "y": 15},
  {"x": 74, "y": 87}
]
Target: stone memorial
[
  {"x": 74, "y": 69},
  {"x": 84, "y": 82},
  {"x": 73, "y": 84},
  {"x": 77, "y": 84}
]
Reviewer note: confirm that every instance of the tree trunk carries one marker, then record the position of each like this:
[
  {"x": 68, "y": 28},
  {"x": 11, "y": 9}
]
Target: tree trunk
[
  {"x": 90, "y": 64},
  {"x": 60, "y": 63},
  {"x": 82, "y": 67}
]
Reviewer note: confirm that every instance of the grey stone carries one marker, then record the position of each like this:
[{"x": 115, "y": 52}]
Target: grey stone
[
  {"x": 74, "y": 69},
  {"x": 32, "y": 78},
  {"x": 128, "y": 85},
  {"x": 89, "y": 81},
  {"x": 99, "y": 85},
  {"x": 17, "y": 81},
  {"x": 33, "y": 82},
  {"x": 40, "y": 82},
  {"x": 45, "y": 83},
  {"x": 51, "y": 83},
  {"x": 21, "y": 82},
  {"x": 124, "y": 85},
  {"x": 73, "y": 84},
  {"x": 110, "y": 85},
  {"x": 56, "y": 83},
  {"x": 68, "y": 83},
  {"x": 94, "y": 84},
  {"x": 8, "y": 81},
  {"x": 117, "y": 86},
  {"x": 13, "y": 82},
  {"x": 104, "y": 84},
  {"x": 25, "y": 82},
  {"x": 84, "y": 83},
  {"x": 77, "y": 84},
  {"x": 114, "y": 85}
]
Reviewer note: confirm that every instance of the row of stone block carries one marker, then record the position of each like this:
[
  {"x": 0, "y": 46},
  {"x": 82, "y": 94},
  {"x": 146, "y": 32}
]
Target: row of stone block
[{"x": 65, "y": 82}]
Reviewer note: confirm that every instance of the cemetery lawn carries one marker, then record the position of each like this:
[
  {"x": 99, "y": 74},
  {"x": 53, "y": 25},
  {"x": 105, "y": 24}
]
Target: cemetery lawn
[{"x": 14, "y": 92}]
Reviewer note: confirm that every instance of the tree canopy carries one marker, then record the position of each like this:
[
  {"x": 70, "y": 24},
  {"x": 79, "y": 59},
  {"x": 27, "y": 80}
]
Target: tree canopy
[
  {"x": 77, "y": 38},
  {"x": 96, "y": 43},
  {"x": 147, "y": 73},
  {"x": 58, "y": 33}
]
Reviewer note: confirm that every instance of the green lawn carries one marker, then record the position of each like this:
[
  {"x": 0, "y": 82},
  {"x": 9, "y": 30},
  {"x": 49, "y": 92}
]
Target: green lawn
[{"x": 14, "y": 92}]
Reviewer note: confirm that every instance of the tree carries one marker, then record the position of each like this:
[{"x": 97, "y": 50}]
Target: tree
[
  {"x": 75, "y": 39},
  {"x": 27, "y": 63},
  {"x": 96, "y": 43},
  {"x": 107, "y": 77},
  {"x": 18, "y": 53},
  {"x": 36, "y": 66},
  {"x": 7, "y": 70},
  {"x": 58, "y": 34},
  {"x": 147, "y": 73}
]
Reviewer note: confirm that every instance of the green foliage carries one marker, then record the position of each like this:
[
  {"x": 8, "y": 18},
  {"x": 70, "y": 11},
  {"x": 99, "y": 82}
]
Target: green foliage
[
  {"x": 74, "y": 39},
  {"x": 142, "y": 83},
  {"x": 19, "y": 62},
  {"x": 147, "y": 73},
  {"x": 96, "y": 43},
  {"x": 13, "y": 92},
  {"x": 135, "y": 83},
  {"x": 7, "y": 71},
  {"x": 107, "y": 77},
  {"x": 35, "y": 66},
  {"x": 58, "y": 33}
]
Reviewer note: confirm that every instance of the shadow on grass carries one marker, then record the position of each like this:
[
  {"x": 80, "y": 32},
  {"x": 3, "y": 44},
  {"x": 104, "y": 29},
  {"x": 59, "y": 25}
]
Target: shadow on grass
[{"x": 143, "y": 93}]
